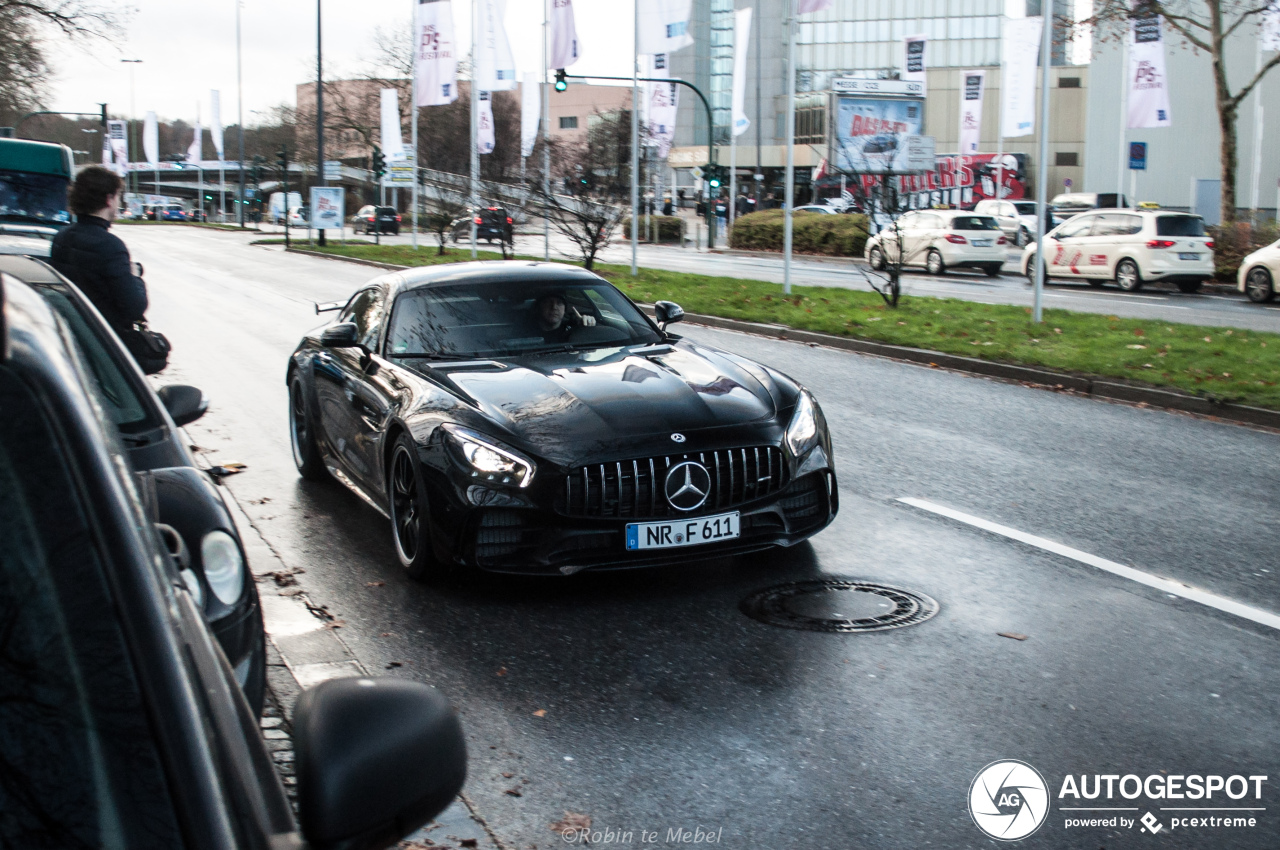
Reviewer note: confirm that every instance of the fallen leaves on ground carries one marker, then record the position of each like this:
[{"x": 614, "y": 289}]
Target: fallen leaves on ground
[
  {"x": 571, "y": 822},
  {"x": 542, "y": 712},
  {"x": 334, "y": 624},
  {"x": 501, "y": 672},
  {"x": 374, "y": 583},
  {"x": 1013, "y": 635},
  {"x": 514, "y": 792}
]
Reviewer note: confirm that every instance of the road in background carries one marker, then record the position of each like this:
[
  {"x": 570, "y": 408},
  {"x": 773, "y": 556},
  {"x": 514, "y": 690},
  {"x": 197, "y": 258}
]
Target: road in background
[{"x": 648, "y": 701}]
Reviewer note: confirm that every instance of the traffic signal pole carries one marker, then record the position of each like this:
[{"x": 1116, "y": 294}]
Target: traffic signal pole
[{"x": 711, "y": 150}]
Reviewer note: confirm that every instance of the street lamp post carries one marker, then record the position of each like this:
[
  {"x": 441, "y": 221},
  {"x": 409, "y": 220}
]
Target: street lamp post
[
  {"x": 240, "y": 117},
  {"x": 133, "y": 113}
]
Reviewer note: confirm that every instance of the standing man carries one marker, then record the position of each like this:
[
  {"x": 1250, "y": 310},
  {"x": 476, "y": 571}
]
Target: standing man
[{"x": 95, "y": 259}]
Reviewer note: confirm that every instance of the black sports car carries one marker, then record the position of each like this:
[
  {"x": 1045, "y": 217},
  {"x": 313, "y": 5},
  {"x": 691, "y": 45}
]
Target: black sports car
[
  {"x": 529, "y": 418},
  {"x": 176, "y": 491}
]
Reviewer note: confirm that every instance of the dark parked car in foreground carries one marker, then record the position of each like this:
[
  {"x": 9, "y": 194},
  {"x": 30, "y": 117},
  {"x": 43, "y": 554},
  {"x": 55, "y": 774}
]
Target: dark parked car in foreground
[
  {"x": 607, "y": 442},
  {"x": 122, "y": 722},
  {"x": 184, "y": 496}
]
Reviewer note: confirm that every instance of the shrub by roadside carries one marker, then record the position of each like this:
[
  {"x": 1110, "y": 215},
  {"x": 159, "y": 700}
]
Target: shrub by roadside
[
  {"x": 1233, "y": 242},
  {"x": 812, "y": 233},
  {"x": 668, "y": 228}
]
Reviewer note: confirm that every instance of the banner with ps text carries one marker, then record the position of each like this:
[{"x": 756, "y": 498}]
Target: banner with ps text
[
  {"x": 1148, "y": 82},
  {"x": 435, "y": 55},
  {"x": 972, "y": 88}
]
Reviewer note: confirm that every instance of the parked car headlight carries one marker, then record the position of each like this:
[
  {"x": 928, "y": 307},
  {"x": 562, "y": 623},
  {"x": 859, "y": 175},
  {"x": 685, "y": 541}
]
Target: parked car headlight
[
  {"x": 802, "y": 433},
  {"x": 223, "y": 565},
  {"x": 490, "y": 462}
]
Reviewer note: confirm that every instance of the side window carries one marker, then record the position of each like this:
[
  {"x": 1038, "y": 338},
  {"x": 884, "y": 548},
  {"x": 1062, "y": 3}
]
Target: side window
[
  {"x": 1077, "y": 227},
  {"x": 1132, "y": 225}
]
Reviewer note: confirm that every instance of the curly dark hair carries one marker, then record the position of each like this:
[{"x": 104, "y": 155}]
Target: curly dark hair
[{"x": 92, "y": 186}]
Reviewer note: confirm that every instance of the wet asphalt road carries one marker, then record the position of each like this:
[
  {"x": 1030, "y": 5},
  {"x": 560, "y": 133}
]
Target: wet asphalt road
[{"x": 666, "y": 708}]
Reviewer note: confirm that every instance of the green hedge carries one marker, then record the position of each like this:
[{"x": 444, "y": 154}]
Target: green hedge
[
  {"x": 670, "y": 228},
  {"x": 1233, "y": 242},
  {"x": 841, "y": 235}
]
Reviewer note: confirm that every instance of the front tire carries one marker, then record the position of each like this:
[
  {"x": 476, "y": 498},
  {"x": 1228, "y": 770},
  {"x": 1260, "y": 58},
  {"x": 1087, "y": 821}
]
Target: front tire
[
  {"x": 934, "y": 263},
  {"x": 876, "y": 259},
  {"x": 1023, "y": 237},
  {"x": 1189, "y": 286},
  {"x": 306, "y": 454},
  {"x": 1259, "y": 287},
  {"x": 1128, "y": 277},
  {"x": 410, "y": 527}
]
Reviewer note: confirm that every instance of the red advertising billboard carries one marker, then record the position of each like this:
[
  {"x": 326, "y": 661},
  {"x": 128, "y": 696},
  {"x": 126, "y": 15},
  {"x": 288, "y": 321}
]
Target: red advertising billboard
[{"x": 957, "y": 181}]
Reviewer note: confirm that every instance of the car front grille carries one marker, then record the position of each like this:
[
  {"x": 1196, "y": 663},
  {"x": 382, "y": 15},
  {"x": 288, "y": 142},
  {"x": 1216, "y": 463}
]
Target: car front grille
[{"x": 634, "y": 488}]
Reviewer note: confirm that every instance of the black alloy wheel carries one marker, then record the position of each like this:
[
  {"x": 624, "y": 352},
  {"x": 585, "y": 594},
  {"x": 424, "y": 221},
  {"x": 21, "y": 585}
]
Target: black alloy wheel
[
  {"x": 409, "y": 525},
  {"x": 934, "y": 264},
  {"x": 1189, "y": 286},
  {"x": 306, "y": 454},
  {"x": 1128, "y": 277},
  {"x": 1259, "y": 287}
]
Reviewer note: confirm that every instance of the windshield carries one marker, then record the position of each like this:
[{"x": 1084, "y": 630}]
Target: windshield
[
  {"x": 974, "y": 222},
  {"x": 480, "y": 320},
  {"x": 1026, "y": 208},
  {"x": 1179, "y": 225},
  {"x": 37, "y": 198}
]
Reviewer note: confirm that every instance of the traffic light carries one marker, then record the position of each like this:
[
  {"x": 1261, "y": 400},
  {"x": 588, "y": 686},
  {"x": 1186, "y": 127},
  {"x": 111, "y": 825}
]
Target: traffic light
[
  {"x": 379, "y": 163},
  {"x": 282, "y": 159},
  {"x": 715, "y": 175},
  {"x": 561, "y": 82},
  {"x": 104, "y": 114}
]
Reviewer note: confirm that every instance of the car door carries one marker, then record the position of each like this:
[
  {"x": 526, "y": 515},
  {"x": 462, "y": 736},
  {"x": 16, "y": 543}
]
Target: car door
[
  {"x": 1068, "y": 246},
  {"x": 1112, "y": 235},
  {"x": 894, "y": 236},
  {"x": 348, "y": 409},
  {"x": 920, "y": 238}
]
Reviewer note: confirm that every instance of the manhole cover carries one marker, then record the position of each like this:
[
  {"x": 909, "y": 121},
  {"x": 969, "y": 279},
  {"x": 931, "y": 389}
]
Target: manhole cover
[{"x": 833, "y": 605}]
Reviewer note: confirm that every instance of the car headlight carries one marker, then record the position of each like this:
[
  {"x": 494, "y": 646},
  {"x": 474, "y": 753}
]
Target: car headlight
[
  {"x": 491, "y": 462},
  {"x": 802, "y": 433},
  {"x": 223, "y": 565}
]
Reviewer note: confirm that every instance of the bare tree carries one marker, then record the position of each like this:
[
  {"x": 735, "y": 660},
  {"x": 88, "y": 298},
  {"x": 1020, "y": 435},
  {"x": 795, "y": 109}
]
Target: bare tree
[
  {"x": 24, "y": 27},
  {"x": 1207, "y": 25}
]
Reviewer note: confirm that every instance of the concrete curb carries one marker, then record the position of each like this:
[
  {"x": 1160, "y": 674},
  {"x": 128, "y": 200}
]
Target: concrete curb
[{"x": 1095, "y": 387}]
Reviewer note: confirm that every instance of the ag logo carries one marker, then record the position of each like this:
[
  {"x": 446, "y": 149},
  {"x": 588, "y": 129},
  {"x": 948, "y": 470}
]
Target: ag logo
[{"x": 1008, "y": 800}]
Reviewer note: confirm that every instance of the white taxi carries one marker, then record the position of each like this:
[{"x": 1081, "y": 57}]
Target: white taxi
[
  {"x": 1130, "y": 247},
  {"x": 1258, "y": 274},
  {"x": 939, "y": 240}
]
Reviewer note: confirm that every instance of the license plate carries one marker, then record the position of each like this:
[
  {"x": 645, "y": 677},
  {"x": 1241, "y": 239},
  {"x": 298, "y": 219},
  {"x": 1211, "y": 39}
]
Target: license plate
[
  {"x": 1188, "y": 256},
  {"x": 683, "y": 532},
  {"x": 982, "y": 243}
]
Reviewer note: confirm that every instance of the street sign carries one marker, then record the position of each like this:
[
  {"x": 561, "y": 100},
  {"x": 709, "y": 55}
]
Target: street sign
[
  {"x": 1137, "y": 156},
  {"x": 919, "y": 154},
  {"x": 889, "y": 88},
  {"x": 697, "y": 172},
  {"x": 1066, "y": 182},
  {"x": 332, "y": 169},
  {"x": 400, "y": 171},
  {"x": 326, "y": 207}
]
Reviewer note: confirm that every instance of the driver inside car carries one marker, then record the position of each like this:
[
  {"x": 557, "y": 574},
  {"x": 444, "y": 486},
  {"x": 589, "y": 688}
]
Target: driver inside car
[{"x": 556, "y": 319}]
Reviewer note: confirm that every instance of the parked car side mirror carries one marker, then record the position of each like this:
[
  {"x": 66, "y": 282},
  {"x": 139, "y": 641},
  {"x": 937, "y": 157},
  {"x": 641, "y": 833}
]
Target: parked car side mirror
[
  {"x": 376, "y": 759},
  {"x": 185, "y": 404},
  {"x": 667, "y": 313},
  {"x": 342, "y": 335}
]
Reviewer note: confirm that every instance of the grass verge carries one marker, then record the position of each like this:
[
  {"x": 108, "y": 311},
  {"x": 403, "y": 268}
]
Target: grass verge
[{"x": 1228, "y": 364}]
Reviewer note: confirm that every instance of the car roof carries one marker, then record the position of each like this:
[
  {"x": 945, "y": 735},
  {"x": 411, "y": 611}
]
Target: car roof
[{"x": 493, "y": 271}]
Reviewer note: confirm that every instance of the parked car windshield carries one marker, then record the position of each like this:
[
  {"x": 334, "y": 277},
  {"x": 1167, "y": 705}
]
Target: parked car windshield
[
  {"x": 35, "y": 198},
  {"x": 1026, "y": 207},
  {"x": 974, "y": 222},
  {"x": 1179, "y": 225},
  {"x": 463, "y": 321}
]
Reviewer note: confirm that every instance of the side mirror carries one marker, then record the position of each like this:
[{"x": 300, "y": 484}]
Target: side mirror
[
  {"x": 185, "y": 404},
  {"x": 344, "y": 335},
  {"x": 376, "y": 759},
  {"x": 667, "y": 313}
]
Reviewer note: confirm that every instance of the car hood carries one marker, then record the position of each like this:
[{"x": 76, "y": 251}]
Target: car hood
[{"x": 563, "y": 405}]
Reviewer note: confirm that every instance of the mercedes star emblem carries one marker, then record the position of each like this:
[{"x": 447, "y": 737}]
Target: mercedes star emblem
[
  {"x": 678, "y": 438},
  {"x": 688, "y": 485}
]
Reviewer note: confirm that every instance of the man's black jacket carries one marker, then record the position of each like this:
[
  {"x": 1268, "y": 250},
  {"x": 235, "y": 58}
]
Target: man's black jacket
[{"x": 97, "y": 261}]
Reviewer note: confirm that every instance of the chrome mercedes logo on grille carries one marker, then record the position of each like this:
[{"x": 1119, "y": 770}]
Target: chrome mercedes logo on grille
[
  {"x": 688, "y": 485},
  {"x": 677, "y": 438}
]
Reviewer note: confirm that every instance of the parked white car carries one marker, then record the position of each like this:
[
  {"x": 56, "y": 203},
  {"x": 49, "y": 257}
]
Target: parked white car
[
  {"x": 940, "y": 240},
  {"x": 1130, "y": 247},
  {"x": 1258, "y": 274},
  {"x": 299, "y": 217},
  {"x": 1017, "y": 218}
]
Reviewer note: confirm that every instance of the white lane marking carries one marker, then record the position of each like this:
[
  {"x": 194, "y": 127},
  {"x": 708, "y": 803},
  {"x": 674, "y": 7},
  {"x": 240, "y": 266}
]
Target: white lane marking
[{"x": 1174, "y": 588}]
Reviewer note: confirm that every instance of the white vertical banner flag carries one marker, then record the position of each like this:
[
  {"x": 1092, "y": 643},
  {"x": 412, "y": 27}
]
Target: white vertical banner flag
[
  {"x": 1148, "y": 82},
  {"x": 107, "y": 154},
  {"x": 484, "y": 126},
  {"x": 663, "y": 101},
  {"x": 664, "y": 25},
  {"x": 1271, "y": 28},
  {"x": 116, "y": 132},
  {"x": 530, "y": 112},
  {"x": 741, "y": 40},
  {"x": 195, "y": 153},
  {"x": 215, "y": 121},
  {"x": 972, "y": 88},
  {"x": 806, "y": 6},
  {"x": 1020, "y": 52},
  {"x": 565, "y": 49},
  {"x": 151, "y": 139},
  {"x": 392, "y": 140},
  {"x": 435, "y": 55},
  {"x": 495, "y": 66},
  {"x": 913, "y": 59}
]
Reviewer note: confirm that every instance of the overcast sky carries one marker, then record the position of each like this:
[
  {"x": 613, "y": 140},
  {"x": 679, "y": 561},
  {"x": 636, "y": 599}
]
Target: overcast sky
[{"x": 189, "y": 47}]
